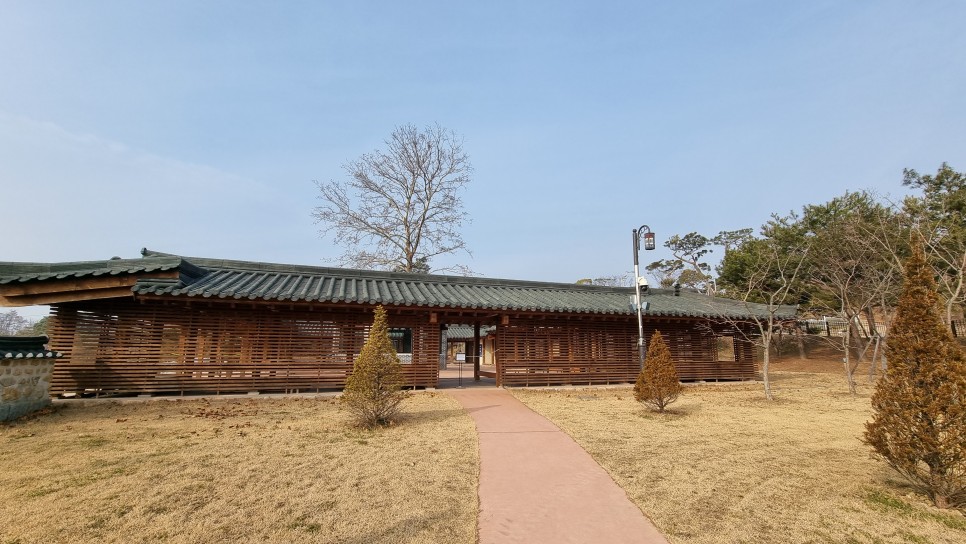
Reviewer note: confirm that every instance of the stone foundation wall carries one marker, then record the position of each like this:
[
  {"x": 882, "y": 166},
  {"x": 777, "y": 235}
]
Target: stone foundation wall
[{"x": 24, "y": 385}]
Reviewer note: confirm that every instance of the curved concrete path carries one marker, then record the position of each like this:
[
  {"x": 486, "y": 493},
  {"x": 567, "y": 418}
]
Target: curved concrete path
[{"x": 538, "y": 486}]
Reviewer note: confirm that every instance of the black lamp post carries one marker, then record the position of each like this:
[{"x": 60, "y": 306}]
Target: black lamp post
[{"x": 640, "y": 284}]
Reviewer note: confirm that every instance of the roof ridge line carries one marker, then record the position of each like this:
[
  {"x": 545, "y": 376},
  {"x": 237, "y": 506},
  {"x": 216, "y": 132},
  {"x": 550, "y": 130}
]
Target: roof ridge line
[{"x": 259, "y": 266}]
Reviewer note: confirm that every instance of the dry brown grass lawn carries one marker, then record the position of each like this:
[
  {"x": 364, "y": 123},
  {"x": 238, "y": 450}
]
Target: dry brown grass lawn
[
  {"x": 243, "y": 470},
  {"x": 728, "y": 466}
]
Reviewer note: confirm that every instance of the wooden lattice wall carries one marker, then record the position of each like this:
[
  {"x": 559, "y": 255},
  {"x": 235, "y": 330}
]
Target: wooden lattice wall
[
  {"x": 124, "y": 347},
  {"x": 560, "y": 351},
  {"x": 570, "y": 351},
  {"x": 706, "y": 351}
]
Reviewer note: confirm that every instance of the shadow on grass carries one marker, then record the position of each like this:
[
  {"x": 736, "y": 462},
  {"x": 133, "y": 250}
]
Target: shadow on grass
[
  {"x": 671, "y": 413},
  {"x": 38, "y": 415},
  {"x": 893, "y": 505}
]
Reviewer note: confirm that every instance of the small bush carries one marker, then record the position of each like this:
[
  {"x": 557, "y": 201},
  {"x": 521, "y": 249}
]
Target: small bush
[
  {"x": 373, "y": 392},
  {"x": 657, "y": 384}
]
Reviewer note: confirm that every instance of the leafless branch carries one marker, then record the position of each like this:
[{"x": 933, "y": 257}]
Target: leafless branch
[{"x": 401, "y": 206}]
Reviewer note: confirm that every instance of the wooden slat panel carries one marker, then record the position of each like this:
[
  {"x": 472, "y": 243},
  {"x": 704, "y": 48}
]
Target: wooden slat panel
[
  {"x": 117, "y": 347},
  {"x": 581, "y": 352},
  {"x": 49, "y": 298},
  {"x": 125, "y": 347},
  {"x": 556, "y": 352}
]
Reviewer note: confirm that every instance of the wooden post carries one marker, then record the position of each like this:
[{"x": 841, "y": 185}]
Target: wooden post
[
  {"x": 476, "y": 351},
  {"x": 496, "y": 360},
  {"x": 443, "y": 348}
]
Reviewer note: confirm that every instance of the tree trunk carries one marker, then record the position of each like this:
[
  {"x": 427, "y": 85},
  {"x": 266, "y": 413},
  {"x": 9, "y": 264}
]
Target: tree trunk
[
  {"x": 800, "y": 340},
  {"x": 889, "y": 314},
  {"x": 764, "y": 365},
  {"x": 941, "y": 501},
  {"x": 870, "y": 317},
  {"x": 847, "y": 344},
  {"x": 950, "y": 308},
  {"x": 851, "y": 365},
  {"x": 876, "y": 353}
]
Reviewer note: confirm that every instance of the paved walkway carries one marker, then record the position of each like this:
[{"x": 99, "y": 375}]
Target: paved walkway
[
  {"x": 538, "y": 486},
  {"x": 461, "y": 375}
]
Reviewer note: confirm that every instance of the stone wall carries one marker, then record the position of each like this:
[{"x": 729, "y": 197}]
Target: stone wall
[{"x": 24, "y": 385}]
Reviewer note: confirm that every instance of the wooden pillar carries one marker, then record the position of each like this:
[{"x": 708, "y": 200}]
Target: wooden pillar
[
  {"x": 443, "y": 347},
  {"x": 476, "y": 351}
]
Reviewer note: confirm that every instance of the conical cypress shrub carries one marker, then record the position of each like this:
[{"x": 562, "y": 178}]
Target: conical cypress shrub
[
  {"x": 658, "y": 384},
  {"x": 373, "y": 392},
  {"x": 919, "y": 405}
]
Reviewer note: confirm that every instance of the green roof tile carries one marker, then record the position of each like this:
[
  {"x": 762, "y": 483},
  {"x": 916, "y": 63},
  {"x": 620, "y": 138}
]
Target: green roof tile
[
  {"x": 240, "y": 280},
  {"x": 25, "y": 347}
]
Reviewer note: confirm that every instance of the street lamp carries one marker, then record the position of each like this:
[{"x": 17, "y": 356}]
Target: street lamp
[{"x": 640, "y": 284}]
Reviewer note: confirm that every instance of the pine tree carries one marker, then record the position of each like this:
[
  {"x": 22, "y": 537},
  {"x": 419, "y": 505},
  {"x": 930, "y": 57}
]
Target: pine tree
[
  {"x": 657, "y": 384},
  {"x": 919, "y": 407},
  {"x": 373, "y": 391}
]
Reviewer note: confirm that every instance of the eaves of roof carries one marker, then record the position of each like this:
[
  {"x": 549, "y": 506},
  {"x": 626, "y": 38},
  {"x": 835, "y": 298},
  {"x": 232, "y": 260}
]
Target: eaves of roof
[
  {"x": 12, "y": 272},
  {"x": 244, "y": 280}
]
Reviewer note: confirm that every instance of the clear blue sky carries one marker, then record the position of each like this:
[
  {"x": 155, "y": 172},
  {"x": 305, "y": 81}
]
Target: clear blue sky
[{"x": 198, "y": 127}]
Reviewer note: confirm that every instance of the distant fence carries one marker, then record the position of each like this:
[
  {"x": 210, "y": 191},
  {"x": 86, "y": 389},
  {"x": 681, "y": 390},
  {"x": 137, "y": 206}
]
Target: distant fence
[{"x": 835, "y": 326}]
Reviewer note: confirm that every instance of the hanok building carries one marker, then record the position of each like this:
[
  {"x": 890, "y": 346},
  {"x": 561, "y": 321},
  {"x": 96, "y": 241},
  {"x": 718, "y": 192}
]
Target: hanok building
[{"x": 170, "y": 324}]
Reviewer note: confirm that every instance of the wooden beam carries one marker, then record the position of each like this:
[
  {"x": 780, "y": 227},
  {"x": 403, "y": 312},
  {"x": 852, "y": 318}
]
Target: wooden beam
[
  {"x": 53, "y": 298},
  {"x": 82, "y": 284}
]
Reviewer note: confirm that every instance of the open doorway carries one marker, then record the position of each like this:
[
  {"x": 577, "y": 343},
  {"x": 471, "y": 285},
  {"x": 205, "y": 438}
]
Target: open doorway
[{"x": 460, "y": 354}]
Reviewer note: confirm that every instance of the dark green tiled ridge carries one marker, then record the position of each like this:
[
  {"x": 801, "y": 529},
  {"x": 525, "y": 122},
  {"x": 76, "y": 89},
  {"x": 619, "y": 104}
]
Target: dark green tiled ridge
[
  {"x": 466, "y": 332},
  {"x": 243, "y": 280},
  {"x": 25, "y": 347},
  {"x": 23, "y": 272}
]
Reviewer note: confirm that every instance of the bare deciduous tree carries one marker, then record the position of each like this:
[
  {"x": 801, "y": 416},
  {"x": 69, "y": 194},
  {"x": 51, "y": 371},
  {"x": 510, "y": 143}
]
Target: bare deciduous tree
[
  {"x": 851, "y": 269},
  {"x": 618, "y": 280},
  {"x": 940, "y": 216},
  {"x": 766, "y": 271},
  {"x": 12, "y": 323},
  {"x": 401, "y": 206}
]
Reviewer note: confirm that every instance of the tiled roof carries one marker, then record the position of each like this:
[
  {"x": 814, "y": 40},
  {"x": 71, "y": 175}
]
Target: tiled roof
[
  {"x": 243, "y": 280},
  {"x": 466, "y": 332},
  {"x": 11, "y": 273},
  {"x": 25, "y": 347}
]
